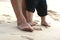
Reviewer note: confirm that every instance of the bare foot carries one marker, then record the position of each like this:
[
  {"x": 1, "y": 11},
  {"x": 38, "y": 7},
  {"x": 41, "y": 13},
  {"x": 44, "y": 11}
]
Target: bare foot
[
  {"x": 33, "y": 23},
  {"x": 45, "y": 24},
  {"x": 25, "y": 27}
]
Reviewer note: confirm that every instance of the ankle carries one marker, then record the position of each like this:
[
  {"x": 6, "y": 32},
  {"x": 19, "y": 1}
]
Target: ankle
[
  {"x": 43, "y": 21},
  {"x": 21, "y": 22}
]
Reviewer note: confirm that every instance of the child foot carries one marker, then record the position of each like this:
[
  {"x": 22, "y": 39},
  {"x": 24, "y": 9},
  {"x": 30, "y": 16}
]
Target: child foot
[
  {"x": 33, "y": 23},
  {"x": 45, "y": 24}
]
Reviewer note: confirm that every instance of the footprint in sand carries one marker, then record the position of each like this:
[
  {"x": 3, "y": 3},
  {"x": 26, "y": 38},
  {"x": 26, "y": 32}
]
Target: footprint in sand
[
  {"x": 38, "y": 28},
  {"x": 6, "y": 15},
  {"x": 27, "y": 37},
  {"x": 54, "y": 15},
  {"x": 8, "y": 18},
  {"x": 51, "y": 11},
  {"x": 8, "y": 22},
  {"x": 2, "y": 21}
]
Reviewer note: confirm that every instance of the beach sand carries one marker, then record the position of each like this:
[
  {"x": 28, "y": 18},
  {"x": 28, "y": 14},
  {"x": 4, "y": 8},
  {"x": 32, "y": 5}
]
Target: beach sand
[{"x": 9, "y": 30}]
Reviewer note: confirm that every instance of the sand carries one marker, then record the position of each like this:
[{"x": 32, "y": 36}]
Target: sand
[{"x": 9, "y": 30}]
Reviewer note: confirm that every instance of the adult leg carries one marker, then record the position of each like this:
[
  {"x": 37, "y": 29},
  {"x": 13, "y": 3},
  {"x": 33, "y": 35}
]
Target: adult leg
[
  {"x": 21, "y": 21},
  {"x": 42, "y": 12},
  {"x": 23, "y": 8}
]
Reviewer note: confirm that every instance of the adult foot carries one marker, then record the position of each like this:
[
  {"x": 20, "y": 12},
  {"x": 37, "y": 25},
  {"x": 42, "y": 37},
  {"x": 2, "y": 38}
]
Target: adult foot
[{"x": 25, "y": 27}]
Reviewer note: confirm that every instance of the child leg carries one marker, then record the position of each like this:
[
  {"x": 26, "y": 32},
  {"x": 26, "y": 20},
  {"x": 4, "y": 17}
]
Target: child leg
[
  {"x": 42, "y": 12},
  {"x": 30, "y": 8}
]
